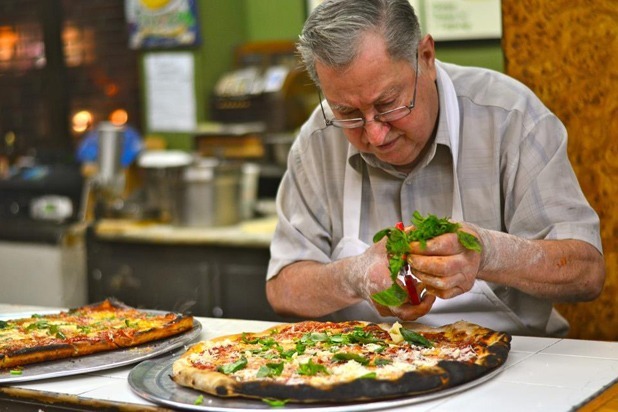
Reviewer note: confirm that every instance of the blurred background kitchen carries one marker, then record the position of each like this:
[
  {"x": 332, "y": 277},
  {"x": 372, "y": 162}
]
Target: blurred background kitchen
[{"x": 142, "y": 141}]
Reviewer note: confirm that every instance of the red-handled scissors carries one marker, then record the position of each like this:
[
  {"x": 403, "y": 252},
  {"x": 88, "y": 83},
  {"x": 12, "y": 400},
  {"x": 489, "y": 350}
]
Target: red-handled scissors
[{"x": 410, "y": 281}]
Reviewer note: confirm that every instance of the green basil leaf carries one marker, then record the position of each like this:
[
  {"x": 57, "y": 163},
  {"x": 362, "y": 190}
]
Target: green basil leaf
[
  {"x": 398, "y": 247},
  {"x": 300, "y": 348},
  {"x": 398, "y": 244},
  {"x": 393, "y": 296},
  {"x": 378, "y": 236},
  {"x": 246, "y": 339},
  {"x": 395, "y": 264},
  {"x": 233, "y": 367},
  {"x": 288, "y": 354},
  {"x": 415, "y": 338},
  {"x": 267, "y": 342},
  {"x": 275, "y": 403},
  {"x": 346, "y": 356},
  {"x": 469, "y": 241},
  {"x": 429, "y": 227},
  {"x": 362, "y": 336},
  {"x": 311, "y": 369},
  {"x": 270, "y": 369},
  {"x": 382, "y": 361},
  {"x": 315, "y": 337},
  {"x": 339, "y": 339}
]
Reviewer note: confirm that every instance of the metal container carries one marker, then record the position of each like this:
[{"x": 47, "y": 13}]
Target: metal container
[
  {"x": 110, "y": 139},
  {"x": 110, "y": 178},
  {"x": 164, "y": 184},
  {"x": 213, "y": 194}
]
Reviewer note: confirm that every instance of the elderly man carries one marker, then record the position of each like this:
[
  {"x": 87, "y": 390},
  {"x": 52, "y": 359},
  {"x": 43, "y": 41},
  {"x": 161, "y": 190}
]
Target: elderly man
[{"x": 400, "y": 131}]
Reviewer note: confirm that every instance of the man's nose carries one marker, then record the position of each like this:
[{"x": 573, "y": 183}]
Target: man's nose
[{"x": 376, "y": 132}]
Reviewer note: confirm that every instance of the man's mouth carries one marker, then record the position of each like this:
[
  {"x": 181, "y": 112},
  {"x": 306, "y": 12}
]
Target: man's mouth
[{"x": 385, "y": 147}]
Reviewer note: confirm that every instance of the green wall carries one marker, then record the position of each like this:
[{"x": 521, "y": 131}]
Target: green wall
[
  {"x": 485, "y": 53},
  {"x": 228, "y": 23},
  {"x": 225, "y": 24},
  {"x": 274, "y": 19}
]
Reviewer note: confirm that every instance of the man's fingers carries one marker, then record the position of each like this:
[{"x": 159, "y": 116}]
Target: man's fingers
[{"x": 442, "y": 245}]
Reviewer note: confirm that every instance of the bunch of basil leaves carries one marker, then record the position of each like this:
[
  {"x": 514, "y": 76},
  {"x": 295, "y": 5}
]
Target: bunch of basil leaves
[{"x": 398, "y": 247}]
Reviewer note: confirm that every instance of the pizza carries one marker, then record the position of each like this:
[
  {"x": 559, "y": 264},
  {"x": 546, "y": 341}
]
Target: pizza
[
  {"x": 99, "y": 327},
  {"x": 347, "y": 361}
]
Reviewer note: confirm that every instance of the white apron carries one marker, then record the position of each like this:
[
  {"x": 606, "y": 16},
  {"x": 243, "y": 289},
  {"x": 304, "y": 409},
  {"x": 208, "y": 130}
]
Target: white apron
[{"x": 479, "y": 305}]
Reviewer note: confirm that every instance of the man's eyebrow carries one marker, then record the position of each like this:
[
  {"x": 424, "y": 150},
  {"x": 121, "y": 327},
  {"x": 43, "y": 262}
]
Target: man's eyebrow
[
  {"x": 340, "y": 107},
  {"x": 388, "y": 92}
]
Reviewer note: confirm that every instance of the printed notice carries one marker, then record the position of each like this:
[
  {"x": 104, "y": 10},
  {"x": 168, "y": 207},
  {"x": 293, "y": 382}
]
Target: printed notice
[
  {"x": 463, "y": 19},
  {"x": 170, "y": 92}
]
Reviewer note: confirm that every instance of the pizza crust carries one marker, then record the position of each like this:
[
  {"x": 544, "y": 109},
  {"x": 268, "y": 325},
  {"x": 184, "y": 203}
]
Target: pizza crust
[
  {"x": 214, "y": 383},
  {"x": 198, "y": 371},
  {"x": 99, "y": 327}
]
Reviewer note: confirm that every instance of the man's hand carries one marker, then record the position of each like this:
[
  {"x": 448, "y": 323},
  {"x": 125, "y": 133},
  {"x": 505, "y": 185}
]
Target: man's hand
[
  {"x": 446, "y": 267},
  {"x": 374, "y": 276},
  {"x": 559, "y": 270},
  {"x": 407, "y": 311}
]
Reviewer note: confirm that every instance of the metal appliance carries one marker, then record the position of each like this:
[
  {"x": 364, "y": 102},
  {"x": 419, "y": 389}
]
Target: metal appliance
[
  {"x": 266, "y": 85},
  {"x": 259, "y": 105},
  {"x": 42, "y": 249}
]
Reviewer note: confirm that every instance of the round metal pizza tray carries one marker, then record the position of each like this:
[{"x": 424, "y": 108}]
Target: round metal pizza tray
[
  {"x": 102, "y": 360},
  {"x": 151, "y": 380}
]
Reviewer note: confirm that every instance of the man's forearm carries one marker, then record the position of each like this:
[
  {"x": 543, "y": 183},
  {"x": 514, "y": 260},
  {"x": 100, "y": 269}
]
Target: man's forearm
[
  {"x": 312, "y": 289},
  {"x": 558, "y": 270}
]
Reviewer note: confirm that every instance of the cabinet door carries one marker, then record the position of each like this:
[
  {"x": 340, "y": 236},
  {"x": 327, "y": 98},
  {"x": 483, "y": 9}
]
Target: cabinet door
[
  {"x": 240, "y": 277},
  {"x": 207, "y": 280},
  {"x": 150, "y": 276}
]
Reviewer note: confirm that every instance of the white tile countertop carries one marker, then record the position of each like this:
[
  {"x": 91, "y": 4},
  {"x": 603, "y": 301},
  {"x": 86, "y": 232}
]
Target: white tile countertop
[{"x": 541, "y": 374}]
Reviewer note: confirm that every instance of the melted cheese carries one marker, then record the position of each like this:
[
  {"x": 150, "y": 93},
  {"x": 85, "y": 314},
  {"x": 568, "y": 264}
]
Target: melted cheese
[
  {"x": 401, "y": 358},
  {"x": 80, "y": 325},
  {"x": 395, "y": 333}
]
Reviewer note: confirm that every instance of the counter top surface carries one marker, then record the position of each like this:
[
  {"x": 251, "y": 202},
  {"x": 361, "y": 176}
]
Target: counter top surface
[
  {"x": 541, "y": 374},
  {"x": 250, "y": 233}
]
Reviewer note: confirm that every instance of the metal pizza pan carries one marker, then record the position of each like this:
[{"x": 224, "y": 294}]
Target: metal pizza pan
[
  {"x": 98, "y": 361},
  {"x": 151, "y": 380}
]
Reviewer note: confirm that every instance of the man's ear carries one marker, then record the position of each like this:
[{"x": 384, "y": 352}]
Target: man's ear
[{"x": 427, "y": 56}]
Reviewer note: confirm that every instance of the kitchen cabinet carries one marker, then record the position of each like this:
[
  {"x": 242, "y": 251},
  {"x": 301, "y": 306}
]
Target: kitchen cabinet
[{"x": 207, "y": 278}]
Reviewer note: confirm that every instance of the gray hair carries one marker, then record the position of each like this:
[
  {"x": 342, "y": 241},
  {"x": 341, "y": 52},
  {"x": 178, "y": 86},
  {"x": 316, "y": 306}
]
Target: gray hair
[{"x": 334, "y": 30}]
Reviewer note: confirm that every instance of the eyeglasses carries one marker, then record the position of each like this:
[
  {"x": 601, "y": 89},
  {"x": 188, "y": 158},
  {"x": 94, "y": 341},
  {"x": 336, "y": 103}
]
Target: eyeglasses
[{"x": 384, "y": 117}]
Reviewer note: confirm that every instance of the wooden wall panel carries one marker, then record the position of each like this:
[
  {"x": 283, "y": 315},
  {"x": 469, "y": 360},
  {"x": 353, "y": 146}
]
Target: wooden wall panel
[{"x": 567, "y": 52}]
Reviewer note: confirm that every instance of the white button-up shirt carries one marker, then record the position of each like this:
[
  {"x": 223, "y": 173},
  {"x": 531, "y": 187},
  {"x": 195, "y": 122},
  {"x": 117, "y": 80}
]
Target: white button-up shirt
[{"x": 513, "y": 172}]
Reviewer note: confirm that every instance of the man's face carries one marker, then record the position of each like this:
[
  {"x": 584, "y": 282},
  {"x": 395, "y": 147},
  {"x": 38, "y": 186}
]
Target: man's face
[{"x": 374, "y": 84}]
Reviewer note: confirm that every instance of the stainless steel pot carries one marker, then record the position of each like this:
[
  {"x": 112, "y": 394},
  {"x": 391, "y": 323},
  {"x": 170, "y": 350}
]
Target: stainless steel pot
[
  {"x": 163, "y": 173},
  {"x": 212, "y": 193},
  {"x": 198, "y": 192}
]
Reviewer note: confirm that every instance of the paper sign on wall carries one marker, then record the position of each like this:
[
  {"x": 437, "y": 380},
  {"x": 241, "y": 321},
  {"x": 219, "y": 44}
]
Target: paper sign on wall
[
  {"x": 170, "y": 92},
  {"x": 463, "y": 19}
]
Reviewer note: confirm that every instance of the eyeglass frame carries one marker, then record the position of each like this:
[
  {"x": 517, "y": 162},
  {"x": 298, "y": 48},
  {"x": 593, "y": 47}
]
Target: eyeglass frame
[{"x": 346, "y": 123}]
